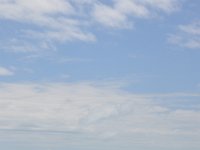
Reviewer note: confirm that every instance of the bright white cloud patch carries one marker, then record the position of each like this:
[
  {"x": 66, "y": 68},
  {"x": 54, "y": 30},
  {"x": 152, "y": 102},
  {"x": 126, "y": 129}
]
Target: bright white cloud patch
[
  {"x": 5, "y": 72},
  {"x": 188, "y": 36},
  {"x": 92, "y": 109}
]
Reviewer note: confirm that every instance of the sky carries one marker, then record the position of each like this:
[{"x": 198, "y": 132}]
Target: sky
[{"x": 99, "y": 74}]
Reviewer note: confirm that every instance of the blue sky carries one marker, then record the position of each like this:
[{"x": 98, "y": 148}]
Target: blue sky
[{"x": 97, "y": 74}]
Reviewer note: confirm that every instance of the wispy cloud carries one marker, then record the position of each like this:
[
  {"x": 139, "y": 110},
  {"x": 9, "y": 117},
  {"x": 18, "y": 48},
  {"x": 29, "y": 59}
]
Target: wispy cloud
[
  {"x": 5, "y": 72},
  {"x": 120, "y": 13},
  {"x": 48, "y": 21},
  {"x": 54, "y": 20},
  {"x": 187, "y": 36}
]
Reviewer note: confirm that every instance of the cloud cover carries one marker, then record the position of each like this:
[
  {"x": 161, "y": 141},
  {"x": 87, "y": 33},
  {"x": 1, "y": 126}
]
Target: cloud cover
[{"x": 92, "y": 109}]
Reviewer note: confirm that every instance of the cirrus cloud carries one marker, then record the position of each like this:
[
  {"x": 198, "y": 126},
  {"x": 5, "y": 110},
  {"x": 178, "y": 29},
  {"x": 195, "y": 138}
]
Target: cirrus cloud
[
  {"x": 51, "y": 21},
  {"x": 188, "y": 36}
]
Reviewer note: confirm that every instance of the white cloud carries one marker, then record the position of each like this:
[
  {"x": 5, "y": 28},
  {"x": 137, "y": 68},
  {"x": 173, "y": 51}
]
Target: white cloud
[
  {"x": 110, "y": 17},
  {"x": 102, "y": 111},
  {"x": 118, "y": 15},
  {"x": 193, "y": 28},
  {"x": 48, "y": 21},
  {"x": 5, "y": 72},
  {"x": 187, "y": 36},
  {"x": 22, "y": 9},
  {"x": 45, "y": 21}
]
